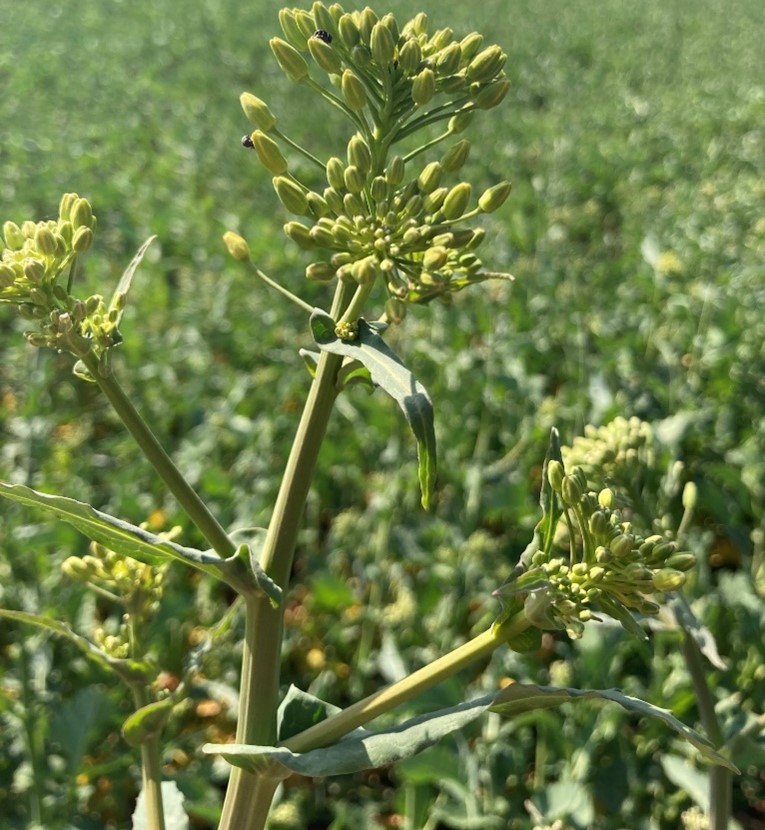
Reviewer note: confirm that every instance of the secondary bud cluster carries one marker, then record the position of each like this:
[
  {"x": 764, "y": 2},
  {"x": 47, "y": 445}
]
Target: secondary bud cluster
[
  {"x": 376, "y": 214},
  {"x": 35, "y": 259},
  {"x": 612, "y": 565}
]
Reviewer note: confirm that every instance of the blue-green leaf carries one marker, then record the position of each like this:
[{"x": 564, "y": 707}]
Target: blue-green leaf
[{"x": 389, "y": 373}]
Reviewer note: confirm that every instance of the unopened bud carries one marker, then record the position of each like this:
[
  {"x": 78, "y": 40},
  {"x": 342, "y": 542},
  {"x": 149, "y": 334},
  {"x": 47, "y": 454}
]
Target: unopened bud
[
  {"x": 13, "y": 236},
  {"x": 299, "y": 234},
  {"x": 322, "y": 236},
  {"x": 292, "y": 63},
  {"x": 429, "y": 178},
  {"x": 7, "y": 276},
  {"x": 65, "y": 205},
  {"x": 571, "y": 490},
  {"x": 606, "y": 498},
  {"x": 320, "y": 271},
  {"x": 621, "y": 545},
  {"x": 359, "y": 154},
  {"x": 82, "y": 214},
  {"x": 424, "y": 87},
  {"x": 682, "y": 561},
  {"x": 322, "y": 18},
  {"x": 394, "y": 172},
  {"x": 291, "y": 29},
  {"x": 45, "y": 242},
  {"x": 460, "y": 122},
  {"x": 419, "y": 23},
  {"x": 291, "y": 195},
  {"x": 555, "y": 474},
  {"x": 470, "y": 44},
  {"x": 668, "y": 579},
  {"x": 82, "y": 239},
  {"x": 354, "y": 179},
  {"x": 379, "y": 189},
  {"x": 457, "y": 200},
  {"x": 494, "y": 197},
  {"x": 382, "y": 44},
  {"x": 257, "y": 112},
  {"x": 34, "y": 271},
  {"x": 335, "y": 171},
  {"x": 410, "y": 57},
  {"x": 486, "y": 64},
  {"x": 354, "y": 93},
  {"x": 599, "y": 524},
  {"x": 690, "y": 495},
  {"x": 492, "y": 94},
  {"x": 434, "y": 258},
  {"x": 348, "y": 31},
  {"x": 456, "y": 156},
  {"x": 237, "y": 246},
  {"x": 448, "y": 60},
  {"x": 364, "y": 271},
  {"x": 325, "y": 56},
  {"x": 269, "y": 153}
]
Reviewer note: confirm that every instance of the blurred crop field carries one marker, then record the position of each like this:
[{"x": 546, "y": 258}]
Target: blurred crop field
[{"x": 634, "y": 135}]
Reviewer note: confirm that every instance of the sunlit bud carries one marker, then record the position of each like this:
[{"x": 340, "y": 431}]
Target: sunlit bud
[
  {"x": 320, "y": 271},
  {"x": 367, "y": 21},
  {"x": 470, "y": 44},
  {"x": 494, "y": 197},
  {"x": 291, "y": 29},
  {"x": 317, "y": 205},
  {"x": 442, "y": 38},
  {"x": 292, "y": 63},
  {"x": 395, "y": 310},
  {"x": 419, "y": 24},
  {"x": 300, "y": 235},
  {"x": 13, "y": 236},
  {"x": 364, "y": 271},
  {"x": 269, "y": 153},
  {"x": 668, "y": 579},
  {"x": 412, "y": 236},
  {"x": 354, "y": 179},
  {"x": 424, "y": 87},
  {"x": 379, "y": 189},
  {"x": 81, "y": 214},
  {"x": 410, "y": 57},
  {"x": 325, "y": 56},
  {"x": 45, "y": 241},
  {"x": 34, "y": 270},
  {"x": 460, "y": 121},
  {"x": 333, "y": 199},
  {"x": 682, "y": 561},
  {"x": 361, "y": 57},
  {"x": 38, "y": 297},
  {"x": 65, "y": 231},
  {"x": 477, "y": 237},
  {"x": 448, "y": 60},
  {"x": 571, "y": 490},
  {"x": 28, "y": 229},
  {"x": 486, "y": 64},
  {"x": 382, "y": 44},
  {"x": 348, "y": 31},
  {"x": 291, "y": 195},
  {"x": 621, "y": 545},
  {"x": 457, "y": 200},
  {"x": 237, "y": 246},
  {"x": 322, "y": 237},
  {"x": 430, "y": 177},
  {"x": 354, "y": 94},
  {"x": 598, "y": 523},
  {"x": 92, "y": 304},
  {"x": 359, "y": 154},
  {"x": 394, "y": 172},
  {"x": 335, "y": 170},
  {"x": 7, "y": 276},
  {"x": 413, "y": 209},
  {"x": 322, "y": 18},
  {"x": 82, "y": 239},
  {"x": 492, "y": 94},
  {"x": 433, "y": 200},
  {"x": 305, "y": 23},
  {"x": 555, "y": 474},
  {"x": 456, "y": 156},
  {"x": 434, "y": 258},
  {"x": 353, "y": 206},
  {"x": 257, "y": 112},
  {"x": 690, "y": 495},
  {"x": 606, "y": 498},
  {"x": 75, "y": 568},
  {"x": 65, "y": 205}
]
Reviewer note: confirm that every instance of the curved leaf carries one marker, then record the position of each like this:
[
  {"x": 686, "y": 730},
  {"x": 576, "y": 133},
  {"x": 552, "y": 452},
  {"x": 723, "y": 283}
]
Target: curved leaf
[{"x": 390, "y": 374}]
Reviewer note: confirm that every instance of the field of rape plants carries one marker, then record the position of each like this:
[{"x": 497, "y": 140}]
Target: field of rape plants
[{"x": 634, "y": 325}]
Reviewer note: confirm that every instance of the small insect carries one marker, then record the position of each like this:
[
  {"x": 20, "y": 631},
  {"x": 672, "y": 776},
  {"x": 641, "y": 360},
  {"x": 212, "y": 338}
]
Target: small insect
[
  {"x": 247, "y": 141},
  {"x": 324, "y": 35}
]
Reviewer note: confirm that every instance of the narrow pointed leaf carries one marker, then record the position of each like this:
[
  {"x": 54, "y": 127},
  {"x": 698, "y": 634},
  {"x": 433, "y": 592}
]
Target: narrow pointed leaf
[
  {"x": 518, "y": 698},
  {"x": 131, "y": 671},
  {"x": 115, "y": 534},
  {"x": 390, "y": 374},
  {"x": 127, "y": 278}
]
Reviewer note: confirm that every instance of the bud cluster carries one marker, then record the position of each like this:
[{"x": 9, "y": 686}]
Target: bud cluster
[
  {"x": 376, "y": 214},
  {"x": 35, "y": 258}
]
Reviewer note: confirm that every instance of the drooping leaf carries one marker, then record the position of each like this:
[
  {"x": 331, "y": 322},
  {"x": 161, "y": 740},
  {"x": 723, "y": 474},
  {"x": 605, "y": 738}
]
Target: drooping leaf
[
  {"x": 131, "y": 671},
  {"x": 518, "y": 698},
  {"x": 389, "y": 373}
]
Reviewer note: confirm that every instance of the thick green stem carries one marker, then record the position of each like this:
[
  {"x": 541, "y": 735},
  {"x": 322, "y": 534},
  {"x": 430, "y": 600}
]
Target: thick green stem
[
  {"x": 248, "y": 797},
  {"x": 195, "y": 508},
  {"x": 720, "y": 781},
  {"x": 416, "y": 683},
  {"x": 151, "y": 771}
]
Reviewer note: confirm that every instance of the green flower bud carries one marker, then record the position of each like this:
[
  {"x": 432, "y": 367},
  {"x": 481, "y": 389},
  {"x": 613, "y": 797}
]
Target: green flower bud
[
  {"x": 269, "y": 153},
  {"x": 14, "y": 238},
  {"x": 486, "y": 64},
  {"x": 354, "y": 93},
  {"x": 571, "y": 490},
  {"x": 82, "y": 214},
  {"x": 457, "y": 200},
  {"x": 394, "y": 172},
  {"x": 410, "y": 57},
  {"x": 389, "y": 21},
  {"x": 7, "y": 276},
  {"x": 395, "y": 310},
  {"x": 442, "y": 38},
  {"x": 690, "y": 495},
  {"x": 305, "y": 23},
  {"x": 429, "y": 178},
  {"x": 364, "y": 271},
  {"x": 292, "y": 63},
  {"x": 45, "y": 242},
  {"x": 320, "y": 271},
  {"x": 470, "y": 44},
  {"x": 460, "y": 122},
  {"x": 348, "y": 31},
  {"x": 65, "y": 231},
  {"x": 435, "y": 199},
  {"x": 359, "y": 154},
  {"x": 335, "y": 171},
  {"x": 419, "y": 24},
  {"x": 492, "y": 94},
  {"x": 494, "y": 197},
  {"x": 456, "y": 156},
  {"x": 681, "y": 561},
  {"x": 434, "y": 258},
  {"x": 65, "y": 205},
  {"x": 382, "y": 44},
  {"x": 606, "y": 498},
  {"x": 354, "y": 179},
  {"x": 412, "y": 210},
  {"x": 317, "y": 205},
  {"x": 555, "y": 474},
  {"x": 291, "y": 195},
  {"x": 379, "y": 189},
  {"x": 34, "y": 271},
  {"x": 448, "y": 60},
  {"x": 367, "y": 22},
  {"x": 353, "y": 206},
  {"x": 292, "y": 31},
  {"x": 257, "y": 112},
  {"x": 325, "y": 56},
  {"x": 598, "y": 524},
  {"x": 424, "y": 87},
  {"x": 361, "y": 57},
  {"x": 237, "y": 246},
  {"x": 82, "y": 240},
  {"x": 323, "y": 19},
  {"x": 621, "y": 546},
  {"x": 300, "y": 235},
  {"x": 668, "y": 579},
  {"x": 333, "y": 199},
  {"x": 322, "y": 236}
]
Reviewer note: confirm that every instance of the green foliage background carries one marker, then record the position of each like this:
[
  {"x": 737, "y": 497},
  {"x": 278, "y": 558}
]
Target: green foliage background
[{"x": 634, "y": 135}]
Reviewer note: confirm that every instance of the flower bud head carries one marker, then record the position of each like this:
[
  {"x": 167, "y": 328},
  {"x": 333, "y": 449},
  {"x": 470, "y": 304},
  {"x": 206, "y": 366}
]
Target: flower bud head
[
  {"x": 424, "y": 87},
  {"x": 237, "y": 246},
  {"x": 65, "y": 205},
  {"x": 433, "y": 200},
  {"x": 34, "y": 271},
  {"x": 367, "y": 21},
  {"x": 382, "y": 44},
  {"x": 82, "y": 214},
  {"x": 348, "y": 31},
  {"x": 364, "y": 271},
  {"x": 571, "y": 490},
  {"x": 470, "y": 44},
  {"x": 442, "y": 38},
  {"x": 292, "y": 63},
  {"x": 354, "y": 180},
  {"x": 410, "y": 57},
  {"x": 690, "y": 495},
  {"x": 621, "y": 545},
  {"x": 434, "y": 258},
  {"x": 45, "y": 242},
  {"x": 486, "y": 64},
  {"x": 292, "y": 31},
  {"x": 681, "y": 561},
  {"x": 448, "y": 60},
  {"x": 323, "y": 19},
  {"x": 456, "y": 156},
  {"x": 300, "y": 235},
  {"x": 430, "y": 177},
  {"x": 325, "y": 56},
  {"x": 13, "y": 236},
  {"x": 494, "y": 197},
  {"x": 7, "y": 276},
  {"x": 668, "y": 579},
  {"x": 457, "y": 200},
  {"x": 361, "y": 57},
  {"x": 492, "y": 94},
  {"x": 555, "y": 474},
  {"x": 257, "y": 112},
  {"x": 320, "y": 271},
  {"x": 419, "y": 24},
  {"x": 379, "y": 189},
  {"x": 290, "y": 195},
  {"x": 394, "y": 172},
  {"x": 359, "y": 154},
  {"x": 460, "y": 122},
  {"x": 599, "y": 524},
  {"x": 333, "y": 199},
  {"x": 305, "y": 23},
  {"x": 269, "y": 153},
  {"x": 335, "y": 171},
  {"x": 82, "y": 239},
  {"x": 354, "y": 93}
]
